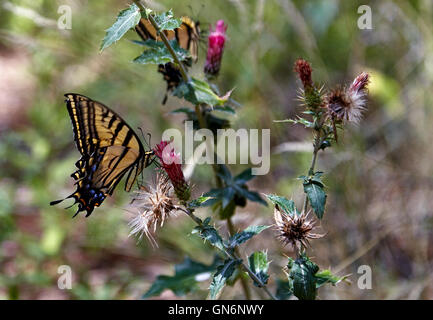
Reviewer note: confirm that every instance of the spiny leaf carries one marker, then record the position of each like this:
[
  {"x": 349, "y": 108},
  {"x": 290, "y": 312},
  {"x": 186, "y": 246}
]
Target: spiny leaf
[
  {"x": 166, "y": 21},
  {"x": 219, "y": 279},
  {"x": 316, "y": 194},
  {"x": 197, "y": 91},
  {"x": 281, "y": 203},
  {"x": 159, "y": 54},
  {"x": 283, "y": 290},
  {"x": 202, "y": 201},
  {"x": 325, "y": 276},
  {"x": 126, "y": 20},
  {"x": 184, "y": 280},
  {"x": 245, "y": 235},
  {"x": 259, "y": 264},
  {"x": 302, "y": 278},
  {"x": 209, "y": 233}
]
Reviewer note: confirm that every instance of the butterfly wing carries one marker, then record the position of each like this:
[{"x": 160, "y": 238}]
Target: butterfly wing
[
  {"x": 109, "y": 149},
  {"x": 187, "y": 36}
]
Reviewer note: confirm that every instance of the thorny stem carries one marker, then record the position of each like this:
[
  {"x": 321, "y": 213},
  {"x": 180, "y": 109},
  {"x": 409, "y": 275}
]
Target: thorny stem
[
  {"x": 164, "y": 39},
  {"x": 202, "y": 122},
  {"x": 244, "y": 282},
  {"x": 233, "y": 256}
]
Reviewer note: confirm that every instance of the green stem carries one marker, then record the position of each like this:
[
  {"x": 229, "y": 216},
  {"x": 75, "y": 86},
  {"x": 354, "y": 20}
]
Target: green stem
[
  {"x": 233, "y": 256},
  {"x": 164, "y": 39}
]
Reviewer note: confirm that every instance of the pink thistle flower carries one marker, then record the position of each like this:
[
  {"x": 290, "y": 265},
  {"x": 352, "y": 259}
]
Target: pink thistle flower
[
  {"x": 216, "y": 42},
  {"x": 170, "y": 162}
]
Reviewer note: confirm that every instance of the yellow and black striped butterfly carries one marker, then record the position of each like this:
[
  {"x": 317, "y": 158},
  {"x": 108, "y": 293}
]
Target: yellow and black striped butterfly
[
  {"x": 187, "y": 36},
  {"x": 109, "y": 149}
]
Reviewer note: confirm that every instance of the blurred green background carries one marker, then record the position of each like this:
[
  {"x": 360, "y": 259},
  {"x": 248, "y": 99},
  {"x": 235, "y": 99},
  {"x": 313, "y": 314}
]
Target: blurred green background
[{"x": 379, "y": 178}]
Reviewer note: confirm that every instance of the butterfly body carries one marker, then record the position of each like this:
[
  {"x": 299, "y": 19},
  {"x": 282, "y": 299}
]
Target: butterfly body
[
  {"x": 187, "y": 36},
  {"x": 109, "y": 150}
]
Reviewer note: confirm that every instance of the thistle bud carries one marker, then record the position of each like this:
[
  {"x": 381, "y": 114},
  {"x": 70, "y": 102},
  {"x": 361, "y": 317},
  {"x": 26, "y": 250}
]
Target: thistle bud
[
  {"x": 170, "y": 162},
  {"x": 216, "y": 42}
]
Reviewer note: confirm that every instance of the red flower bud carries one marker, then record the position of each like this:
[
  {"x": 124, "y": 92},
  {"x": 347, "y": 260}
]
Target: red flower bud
[
  {"x": 170, "y": 162},
  {"x": 304, "y": 70}
]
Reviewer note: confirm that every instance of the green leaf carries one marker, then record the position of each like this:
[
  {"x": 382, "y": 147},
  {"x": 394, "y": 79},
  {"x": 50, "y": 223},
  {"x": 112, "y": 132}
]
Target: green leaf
[
  {"x": 299, "y": 120},
  {"x": 302, "y": 278},
  {"x": 219, "y": 279},
  {"x": 245, "y": 235},
  {"x": 201, "y": 202},
  {"x": 250, "y": 195},
  {"x": 283, "y": 290},
  {"x": 166, "y": 21},
  {"x": 126, "y": 20},
  {"x": 259, "y": 264},
  {"x": 325, "y": 276},
  {"x": 185, "y": 110},
  {"x": 184, "y": 280},
  {"x": 281, "y": 203},
  {"x": 209, "y": 233},
  {"x": 226, "y": 109},
  {"x": 244, "y": 176},
  {"x": 159, "y": 54},
  {"x": 198, "y": 91},
  {"x": 314, "y": 189}
]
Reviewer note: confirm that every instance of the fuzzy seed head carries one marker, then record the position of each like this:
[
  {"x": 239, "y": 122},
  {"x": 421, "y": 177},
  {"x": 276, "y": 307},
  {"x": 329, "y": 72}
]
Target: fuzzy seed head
[{"x": 152, "y": 205}]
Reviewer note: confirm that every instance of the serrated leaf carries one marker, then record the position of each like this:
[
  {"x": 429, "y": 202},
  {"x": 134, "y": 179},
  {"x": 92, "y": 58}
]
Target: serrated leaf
[
  {"x": 209, "y": 233},
  {"x": 245, "y": 235},
  {"x": 283, "y": 290},
  {"x": 316, "y": 196},
  {"x": 226, "y": 109},
  {"x": 166, "y": 21},
  {"x": 325, "y": 276},
  {"x": 198, "y": 91},
  {"x": 184, "y": 280},
  {"x": 219, "y": 279},
  {"x": 258, "y": 263},
  {"x": 159, "y": 54},
  {"x": 250, "y": 195},
  {"x": 126, "y": 20},
  {"x": 281, "y": 203},
  {"x": 302, "y": 278},
  {"x": 244, "y": 176},
  {"x": 202, "y": 201}
]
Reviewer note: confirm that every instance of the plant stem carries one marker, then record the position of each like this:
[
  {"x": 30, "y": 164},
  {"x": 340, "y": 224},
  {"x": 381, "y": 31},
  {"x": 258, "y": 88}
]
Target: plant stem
[
  {"x": 244, "y": 282},
  {"x": 164, "y": 39},
  {"x": 233, "y": 256}
]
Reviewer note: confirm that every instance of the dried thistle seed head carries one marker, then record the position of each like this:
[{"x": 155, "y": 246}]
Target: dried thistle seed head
[
  {"x": 294, "y": 229},
  {"x": 348, "y": 104},
  {"x": 153, "y": 204}
]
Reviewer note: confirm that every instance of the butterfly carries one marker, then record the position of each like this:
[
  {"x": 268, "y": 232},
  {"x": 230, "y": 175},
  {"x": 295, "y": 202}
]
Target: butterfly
[
  {"x": 109, "y": 149},
  {"x": 187, "y": 36}
]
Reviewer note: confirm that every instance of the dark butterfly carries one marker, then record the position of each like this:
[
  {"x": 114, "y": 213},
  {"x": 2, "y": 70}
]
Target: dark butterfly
[
  {"x": 187, "y": 36},
  {"x": 109, "y": 149}
]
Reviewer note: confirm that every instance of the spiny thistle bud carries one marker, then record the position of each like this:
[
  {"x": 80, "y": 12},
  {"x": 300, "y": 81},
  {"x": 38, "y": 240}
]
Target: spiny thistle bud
[
  {"x": 304, "y": 70},
  {"x": 348, "y": 104},
  {"x": 216, "y": 42},
  {"x": 170, "y": 162},
  {"x": 154, "y": 204},
  {"x": 294, "y": 229}
]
